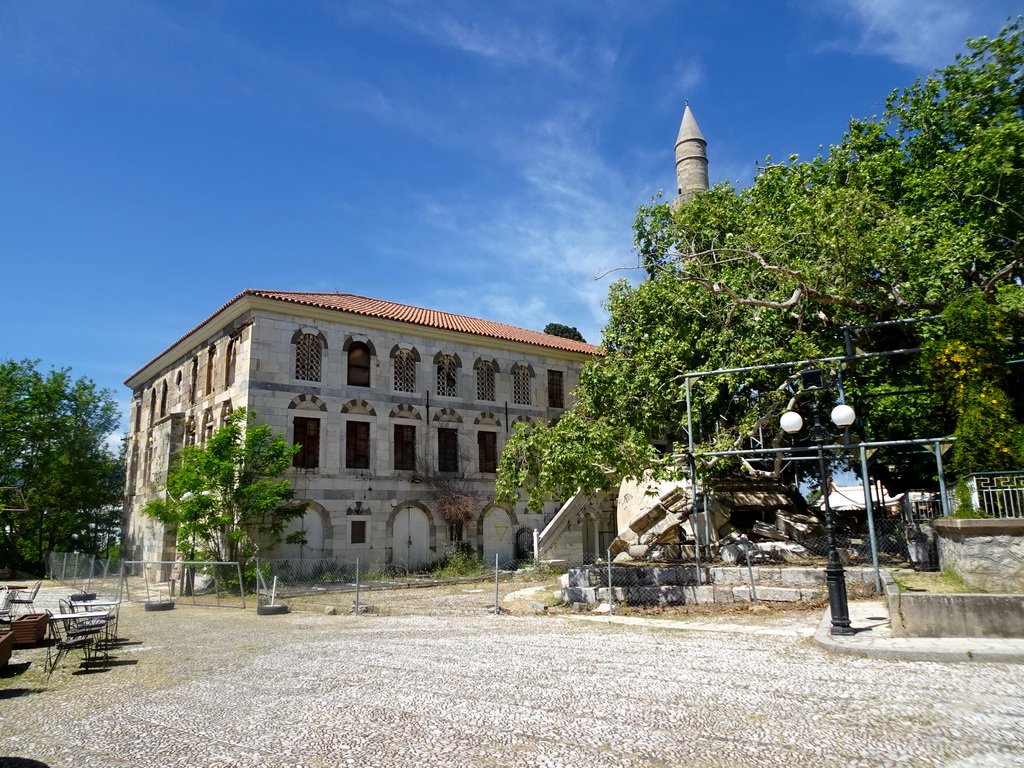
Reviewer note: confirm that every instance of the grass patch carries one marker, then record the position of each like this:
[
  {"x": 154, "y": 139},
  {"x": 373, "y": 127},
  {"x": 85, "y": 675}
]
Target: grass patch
[{"x": 946, "y": 582}]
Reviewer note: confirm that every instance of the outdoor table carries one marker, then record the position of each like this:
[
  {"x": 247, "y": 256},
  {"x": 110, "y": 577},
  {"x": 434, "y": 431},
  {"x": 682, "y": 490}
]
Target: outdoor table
[{"x": 83, "y": 615}]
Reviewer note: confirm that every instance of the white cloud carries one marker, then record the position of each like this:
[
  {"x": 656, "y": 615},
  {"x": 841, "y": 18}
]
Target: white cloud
[
  {"x": 681, "y": 82},
  {"x": 474, "y": 29},
  {"x": 924, "y": 34},
  {"x": 566, "y": 222}
]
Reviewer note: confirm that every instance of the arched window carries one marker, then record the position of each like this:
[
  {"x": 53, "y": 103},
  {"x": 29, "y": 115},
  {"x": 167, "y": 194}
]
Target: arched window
[
  {"x": 193, "y": 381},
  {"x": 152, "y": 406},
  {"x": 359, "y": 365},
  {"x": 163, "y": 399},
  {"x": 207, "y": 432},
  {"x": 211, "y": 359},
  {"x": 485, "y": 380},
  {"x": 309, "y": 353},
  {"x": 447, "y": 376},
  {"x": 405, "y": 371},
  {"x": 230, "y": 361},
  {"x": 521, "y": 385}
]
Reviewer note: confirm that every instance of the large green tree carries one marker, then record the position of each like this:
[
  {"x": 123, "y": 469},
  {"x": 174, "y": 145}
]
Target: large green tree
[
  {"x": 67, "y": 482},
  {"x": 228, "y": 500},
  {"x": 908, "y": 213}
]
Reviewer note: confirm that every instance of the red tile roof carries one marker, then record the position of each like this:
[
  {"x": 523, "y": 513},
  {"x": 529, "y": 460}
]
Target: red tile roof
[{"x": 404, "y": 313}]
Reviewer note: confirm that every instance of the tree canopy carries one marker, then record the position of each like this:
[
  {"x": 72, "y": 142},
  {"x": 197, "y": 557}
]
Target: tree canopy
[
  {"x": 228, "y": 500},
  {"x": 908, "y": 214},
  {"x": 565, "y": 331},
  {"x": 54, "y": 451}
]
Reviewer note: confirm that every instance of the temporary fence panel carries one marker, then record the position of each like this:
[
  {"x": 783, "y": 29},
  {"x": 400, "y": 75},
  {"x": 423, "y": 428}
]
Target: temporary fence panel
[
  {"x": 190, "y": 582},
  {"x": 87, "y": 573}
]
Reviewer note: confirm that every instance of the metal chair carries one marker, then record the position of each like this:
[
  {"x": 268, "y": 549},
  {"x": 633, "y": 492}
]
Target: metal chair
[
  {"x": 5, "y": 605},
  {"x": 113, "y": 608},
  {"x": 93, "y": 626},
  {"x": 64, "y": 640},
  {"x": 26, "y": 597}
]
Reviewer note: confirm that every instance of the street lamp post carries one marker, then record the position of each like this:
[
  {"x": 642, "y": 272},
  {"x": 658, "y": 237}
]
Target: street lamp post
[{"x": 842, "y": 416}]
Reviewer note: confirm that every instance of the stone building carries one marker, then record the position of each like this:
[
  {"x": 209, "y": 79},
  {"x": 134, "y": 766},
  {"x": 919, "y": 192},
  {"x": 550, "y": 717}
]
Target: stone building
[{"x": 386, "y": 400}]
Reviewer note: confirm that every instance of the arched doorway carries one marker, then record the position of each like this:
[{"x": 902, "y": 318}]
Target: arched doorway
[
  {"x": 498, "y": 536},
  {"x": 311, "y": 524},
  {"x": 524, "y": 544},
  {"x": 410, "y": 538}
]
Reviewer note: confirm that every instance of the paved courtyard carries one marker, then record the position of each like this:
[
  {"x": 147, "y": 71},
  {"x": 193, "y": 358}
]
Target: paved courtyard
[{"x": 223, "y": 687}]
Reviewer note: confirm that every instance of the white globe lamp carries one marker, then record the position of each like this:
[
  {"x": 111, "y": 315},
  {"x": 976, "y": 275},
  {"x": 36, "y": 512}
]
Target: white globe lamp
[
  {"x": 843, "y": 416},
  {"x": 791, "y": 422}
]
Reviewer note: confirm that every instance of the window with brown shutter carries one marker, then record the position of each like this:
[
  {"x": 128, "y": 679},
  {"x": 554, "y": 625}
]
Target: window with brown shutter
[
  {"x": 405, "y": 446},
  {"x": 447, "y": 450},
  {"x": 357, "y": 445},
  {"x": 306, "y": 433},
  {"x": 487, "y": 443}
]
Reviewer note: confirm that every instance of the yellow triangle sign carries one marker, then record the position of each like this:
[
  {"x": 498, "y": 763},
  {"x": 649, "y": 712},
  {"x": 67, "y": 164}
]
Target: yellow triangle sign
[{"x": 501, "y": 530}]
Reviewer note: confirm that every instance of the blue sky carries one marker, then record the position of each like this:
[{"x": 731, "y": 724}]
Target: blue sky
[{"x": 157, "y": 158}]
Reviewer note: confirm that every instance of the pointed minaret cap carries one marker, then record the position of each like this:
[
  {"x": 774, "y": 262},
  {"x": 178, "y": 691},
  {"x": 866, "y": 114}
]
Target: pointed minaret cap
[
  {"x": 689, "y": 129},
  {"x": 691, "y": 159}
]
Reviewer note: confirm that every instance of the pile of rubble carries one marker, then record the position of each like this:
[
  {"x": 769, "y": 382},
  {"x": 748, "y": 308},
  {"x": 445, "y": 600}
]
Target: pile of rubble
[{"x": 664, "y": 522}]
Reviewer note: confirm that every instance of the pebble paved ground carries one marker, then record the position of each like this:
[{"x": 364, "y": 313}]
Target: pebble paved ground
[{"x": 226, "y": 688}]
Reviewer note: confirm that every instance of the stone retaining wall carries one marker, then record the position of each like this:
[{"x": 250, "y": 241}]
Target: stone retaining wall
[
  {"x": 987, "y": 554},
  {"x": 930, "y": 614},
  {"x": 678, "y": 585}
]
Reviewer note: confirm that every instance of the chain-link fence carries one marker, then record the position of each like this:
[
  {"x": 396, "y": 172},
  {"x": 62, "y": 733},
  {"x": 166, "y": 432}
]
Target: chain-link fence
[
  {"x": 86, "y": 573},
  {"x": 761, "y": 565},
  {"x": 165, "y": 583}
]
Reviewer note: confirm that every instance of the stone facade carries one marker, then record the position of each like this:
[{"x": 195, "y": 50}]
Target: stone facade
[
  {"x": 384, "y": 398},
  {"x": 987, "y": 554},
  {"x": 689, "y": 585}
]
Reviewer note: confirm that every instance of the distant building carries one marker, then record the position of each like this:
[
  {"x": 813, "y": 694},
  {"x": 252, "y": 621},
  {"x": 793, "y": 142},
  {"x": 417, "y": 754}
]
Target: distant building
[{"x": 383, "y": 398}]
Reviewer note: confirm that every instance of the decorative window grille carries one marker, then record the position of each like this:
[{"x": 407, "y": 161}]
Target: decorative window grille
[
  {"x": 556, "y": 393},
  {"x": 521, "y": 385},
  {"x": 485, "y": 381},
  {"x": 447, "y": 376},
  {"x": 308, "y": 357},
  {"x": 405, "y": 371}
]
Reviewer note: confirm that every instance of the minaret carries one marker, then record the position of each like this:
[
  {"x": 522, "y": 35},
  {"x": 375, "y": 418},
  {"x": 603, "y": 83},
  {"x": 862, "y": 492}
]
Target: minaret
[{"x": 691, "y": 159}]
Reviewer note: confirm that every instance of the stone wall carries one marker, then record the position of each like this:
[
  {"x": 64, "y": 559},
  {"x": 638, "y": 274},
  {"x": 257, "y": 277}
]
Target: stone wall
[
  {"x": 687, "y": 585},
  {"x": 928, "y": 614},
  {"x": 987, "y": 554}
]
